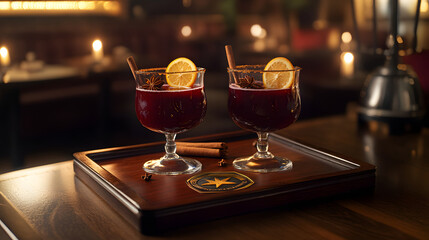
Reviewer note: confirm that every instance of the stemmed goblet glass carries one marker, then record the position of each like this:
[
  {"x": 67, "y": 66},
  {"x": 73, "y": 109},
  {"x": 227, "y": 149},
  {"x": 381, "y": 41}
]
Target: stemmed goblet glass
[
  {"x": 170, "y": 110},
  {"x": 257, "y": 109}
]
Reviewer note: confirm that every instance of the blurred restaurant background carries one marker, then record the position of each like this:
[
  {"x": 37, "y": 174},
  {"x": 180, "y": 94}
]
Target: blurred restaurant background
[{"x": 66, "y": 86}]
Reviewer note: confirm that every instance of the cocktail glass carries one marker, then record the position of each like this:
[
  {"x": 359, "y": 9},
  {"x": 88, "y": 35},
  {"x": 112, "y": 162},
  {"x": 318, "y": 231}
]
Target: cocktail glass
[
  {"x": 170, "y": 111},
  {"x": 261, "y": 110}
]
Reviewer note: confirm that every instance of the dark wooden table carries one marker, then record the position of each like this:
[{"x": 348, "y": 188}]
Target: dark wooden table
[{"x": 51, "y": 203}]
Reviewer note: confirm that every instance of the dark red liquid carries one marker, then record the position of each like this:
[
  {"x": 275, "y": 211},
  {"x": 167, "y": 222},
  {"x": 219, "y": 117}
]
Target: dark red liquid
[
  {"x": 171, "y": 111},
  {"x": 263, "y": 110}
]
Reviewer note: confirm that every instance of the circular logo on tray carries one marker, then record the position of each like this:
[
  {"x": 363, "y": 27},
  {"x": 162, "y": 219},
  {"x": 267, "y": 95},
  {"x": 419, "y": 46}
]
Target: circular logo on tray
[{"x": 217, "y": 182}]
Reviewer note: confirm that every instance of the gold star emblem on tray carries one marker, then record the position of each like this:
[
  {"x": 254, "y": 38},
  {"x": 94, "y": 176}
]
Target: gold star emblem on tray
[{"x": 217, "y": 182}]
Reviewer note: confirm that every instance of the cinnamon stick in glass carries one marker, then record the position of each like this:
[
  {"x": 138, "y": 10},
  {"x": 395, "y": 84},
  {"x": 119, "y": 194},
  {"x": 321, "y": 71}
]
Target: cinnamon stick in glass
[
  {"x": 231, "y": 60},
  {"x": 133, "y": 65}
]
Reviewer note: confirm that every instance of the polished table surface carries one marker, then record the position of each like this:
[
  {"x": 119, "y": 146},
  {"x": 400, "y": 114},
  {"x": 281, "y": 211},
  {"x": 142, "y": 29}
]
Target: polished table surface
[{"x": 50, "y": 202}]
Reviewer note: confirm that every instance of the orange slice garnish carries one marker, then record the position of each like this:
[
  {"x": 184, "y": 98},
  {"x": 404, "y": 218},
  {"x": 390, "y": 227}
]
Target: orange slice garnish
[
  {"x": 278, "y": 80},
  {"x": 178, "y": 74}
]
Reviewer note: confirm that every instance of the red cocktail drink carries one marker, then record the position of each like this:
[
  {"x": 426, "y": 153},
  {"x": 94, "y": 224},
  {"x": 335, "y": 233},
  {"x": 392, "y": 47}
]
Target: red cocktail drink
[
  {"x": 263, "y": 101},
  {"x": 171, "y": 111},
  {"x": 262, "y": 110},
  {"x": 170, "y": 101}
]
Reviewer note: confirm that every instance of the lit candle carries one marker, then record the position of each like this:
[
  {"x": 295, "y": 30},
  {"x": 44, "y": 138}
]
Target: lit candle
[
  {"x": 347, "y": 64},
  {"x": 4, "y": 57},
  {"x": 97, "y": 50}
]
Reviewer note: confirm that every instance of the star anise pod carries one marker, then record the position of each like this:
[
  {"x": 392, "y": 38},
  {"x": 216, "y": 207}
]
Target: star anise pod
[
  {"x": 222, "y": 163},
  {"x": 147, "y": 177},
  {"x": 153, "y": 83},
  {"x": 249, "y": 82}
]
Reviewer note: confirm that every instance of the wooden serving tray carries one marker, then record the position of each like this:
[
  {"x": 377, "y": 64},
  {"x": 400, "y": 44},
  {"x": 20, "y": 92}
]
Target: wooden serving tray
[{"x": 167, "y": 201}]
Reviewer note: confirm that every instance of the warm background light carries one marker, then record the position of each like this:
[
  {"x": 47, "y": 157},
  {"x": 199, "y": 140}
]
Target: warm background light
[
  {"x": 257, "y": 31},
  {"x": 4, "y": 57},
  {"x": 348, "y": 57},
  {"x": 97, "y": 50},
  {"x": 424, "y": 6},
  {"x": 346, "y": 37},
  {"x": 186, "y": 31},
  {"x": 3, "y": 51},
  {"x": 347, "y": 64},
  {"x": 186, "y": 3},
  {"x": 97, "y": 45},
  {"x": 59, "y": 7}
]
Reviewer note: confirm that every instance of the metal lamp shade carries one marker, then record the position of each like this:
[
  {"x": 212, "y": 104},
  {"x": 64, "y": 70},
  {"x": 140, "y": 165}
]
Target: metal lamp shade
[{"x": 391, "y": 93}]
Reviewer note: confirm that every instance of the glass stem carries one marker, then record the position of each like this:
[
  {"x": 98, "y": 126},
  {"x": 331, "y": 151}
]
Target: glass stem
[
  {"x": 262, "y": 146},
  {"x": 170, "y": 146}
]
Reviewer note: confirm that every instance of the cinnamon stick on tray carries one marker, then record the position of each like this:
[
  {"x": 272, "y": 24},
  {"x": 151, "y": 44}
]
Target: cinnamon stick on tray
[
  {"x": 202, "y": 144},
  {"x": 201, "y": 149}
]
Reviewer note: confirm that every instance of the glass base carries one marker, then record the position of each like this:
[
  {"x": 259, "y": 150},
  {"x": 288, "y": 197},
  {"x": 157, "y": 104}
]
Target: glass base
[
  {"x": 175, "y": 166},
  {"x": 262, "y": 165}
]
